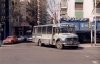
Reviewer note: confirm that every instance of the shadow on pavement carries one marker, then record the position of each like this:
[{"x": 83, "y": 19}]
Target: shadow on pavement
[{"x": 65, "y": 48}]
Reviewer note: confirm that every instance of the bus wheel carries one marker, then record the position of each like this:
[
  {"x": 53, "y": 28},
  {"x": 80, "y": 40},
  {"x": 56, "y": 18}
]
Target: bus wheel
[
  {"x": 39, "y": 43},
  {"x": 59, "y": 45}
]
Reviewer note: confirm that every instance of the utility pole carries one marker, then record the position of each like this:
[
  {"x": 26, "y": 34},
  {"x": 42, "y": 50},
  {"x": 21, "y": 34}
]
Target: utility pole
[
  {"x": 10, "y": 17},
  {"x": 38, "y": 12},
  {"x": 91, "y": 33},
  {"x": 95, "y": 25}
]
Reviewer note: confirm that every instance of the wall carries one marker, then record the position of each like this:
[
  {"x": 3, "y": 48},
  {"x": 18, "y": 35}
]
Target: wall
[
  {"x": 88, "y": 9},
  {"x": 71, "y": 8}
]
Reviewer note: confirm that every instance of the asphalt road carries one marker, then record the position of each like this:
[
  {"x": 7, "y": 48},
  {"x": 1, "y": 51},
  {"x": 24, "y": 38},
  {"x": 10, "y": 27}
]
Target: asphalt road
[{"x": 27, "y": 53}]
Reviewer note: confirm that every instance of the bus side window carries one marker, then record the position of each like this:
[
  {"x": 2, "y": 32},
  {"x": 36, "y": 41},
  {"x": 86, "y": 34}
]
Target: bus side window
[
  {"x": 49, "y": 30},
  {"x": 57, "y": 30},
  {"x": 35, "y": 30},
  {"x": 54, "y": 30},
  {"x": 39, "y": 30},
  {"x": 43, "y": 30}
]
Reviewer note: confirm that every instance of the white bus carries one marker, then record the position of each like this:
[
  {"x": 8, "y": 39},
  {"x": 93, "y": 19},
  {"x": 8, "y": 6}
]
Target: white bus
[{"x": 60, "y": 35}]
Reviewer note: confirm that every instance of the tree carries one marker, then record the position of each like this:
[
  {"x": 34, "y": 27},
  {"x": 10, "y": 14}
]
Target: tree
[
  {"x": 43, "y": 12},
  {"x": 16, "y": 10},
  {"x": 32, "y": 8},
  {"x": 97, "y": 1}
]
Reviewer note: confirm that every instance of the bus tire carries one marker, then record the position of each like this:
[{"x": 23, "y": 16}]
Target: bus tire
[
  {"x": 59, "y": 45},
  {"x": 39, "y": 43}
]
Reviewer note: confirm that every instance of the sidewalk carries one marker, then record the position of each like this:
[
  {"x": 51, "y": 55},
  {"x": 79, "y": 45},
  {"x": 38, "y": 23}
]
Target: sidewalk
[{"x": 89, "y": 45}]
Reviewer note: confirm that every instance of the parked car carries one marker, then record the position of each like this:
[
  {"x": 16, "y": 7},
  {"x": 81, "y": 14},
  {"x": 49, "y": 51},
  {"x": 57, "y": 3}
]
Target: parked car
[
  {"x": 10, "y": 40},
  {"x": 20, "y": 38},
  {"x": 28, "y": 38}
]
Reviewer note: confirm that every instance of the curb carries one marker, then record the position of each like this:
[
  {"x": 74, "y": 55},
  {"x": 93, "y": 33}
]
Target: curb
[{"x": 89, "y": 45}]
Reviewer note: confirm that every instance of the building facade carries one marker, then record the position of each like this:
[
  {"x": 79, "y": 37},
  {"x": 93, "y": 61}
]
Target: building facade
[
  {"x": 75, "y": 8},
  {"x": 71, "y": 8},
  {"x": 89, "y": 10},
  {"x": 5, "y": 17},
  {"x": 64, "y": 7},
  {"x": 82, "y": 9}
]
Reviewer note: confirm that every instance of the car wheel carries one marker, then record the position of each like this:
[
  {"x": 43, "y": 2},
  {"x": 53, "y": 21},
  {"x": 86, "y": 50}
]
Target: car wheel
[
  {"x": 59, "y": 45},
  {"x": 12, "y": 42}
]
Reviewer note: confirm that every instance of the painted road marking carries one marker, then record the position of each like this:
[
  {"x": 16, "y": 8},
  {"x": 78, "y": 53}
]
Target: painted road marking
[
  {"x": 87, "y": 56},
  {"x": 95, "y": 62}
]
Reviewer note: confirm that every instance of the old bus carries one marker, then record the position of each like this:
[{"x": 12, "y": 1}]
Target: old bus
[{"x": 60, "y": 35}]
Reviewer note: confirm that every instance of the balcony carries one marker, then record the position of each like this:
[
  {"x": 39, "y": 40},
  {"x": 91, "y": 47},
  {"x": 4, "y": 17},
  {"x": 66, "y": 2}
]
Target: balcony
[
  {"x": 63, "y": 5},
  {"x": 63, "y": 12},
  {"x": 63, "y": 9}
]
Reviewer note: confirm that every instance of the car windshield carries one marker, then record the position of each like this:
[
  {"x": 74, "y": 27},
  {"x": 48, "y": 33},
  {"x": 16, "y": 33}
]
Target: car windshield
[
  {"x": 10, "y": 37},
  {"x": 28, "y": 36},
  {"x": 19, "y": 36}
]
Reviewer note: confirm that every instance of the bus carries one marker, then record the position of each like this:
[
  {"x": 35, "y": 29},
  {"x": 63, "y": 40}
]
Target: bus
[{"x": 59, "y": 35}]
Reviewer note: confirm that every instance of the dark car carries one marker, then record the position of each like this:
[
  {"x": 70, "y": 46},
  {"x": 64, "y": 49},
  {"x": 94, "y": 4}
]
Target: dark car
[{"x": 20, "y": 38}]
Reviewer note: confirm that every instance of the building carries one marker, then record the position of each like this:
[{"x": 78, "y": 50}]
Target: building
[
  {"x": 5, "y": 17},
  {"x": 81, "y": 9},
  {"x": 63, "y": 10},
  {"x": 20, "y": 25},
  {"x": 75, "y": 8},
  {"x": 71, "y": 8},
  {"x": 89, "y": 10}
]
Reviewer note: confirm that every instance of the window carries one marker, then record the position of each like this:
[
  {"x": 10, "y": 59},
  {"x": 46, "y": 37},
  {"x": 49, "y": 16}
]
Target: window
[
  {"x": 49, "y": 30},
  {"x": 79, "y": 6},
  {"x": 57, "y": 30},
  {"x": 79, "y": 14},
  {"x": 44, "y": 30},
  {"x": 35, "y": 30},
  {"x": 39, "y": 30}
]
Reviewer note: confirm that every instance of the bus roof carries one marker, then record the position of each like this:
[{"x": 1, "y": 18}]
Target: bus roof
[{"x": 56, "y": 25}]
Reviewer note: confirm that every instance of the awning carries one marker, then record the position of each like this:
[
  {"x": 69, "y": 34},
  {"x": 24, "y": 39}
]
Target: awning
[{"x": 25, "y": 24}]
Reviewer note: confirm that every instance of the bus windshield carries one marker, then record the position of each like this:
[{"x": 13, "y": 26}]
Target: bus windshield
[{"x": 67, "y": 30}]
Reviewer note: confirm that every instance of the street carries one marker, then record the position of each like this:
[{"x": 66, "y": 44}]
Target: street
[{"x": 27, "y": 53}]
